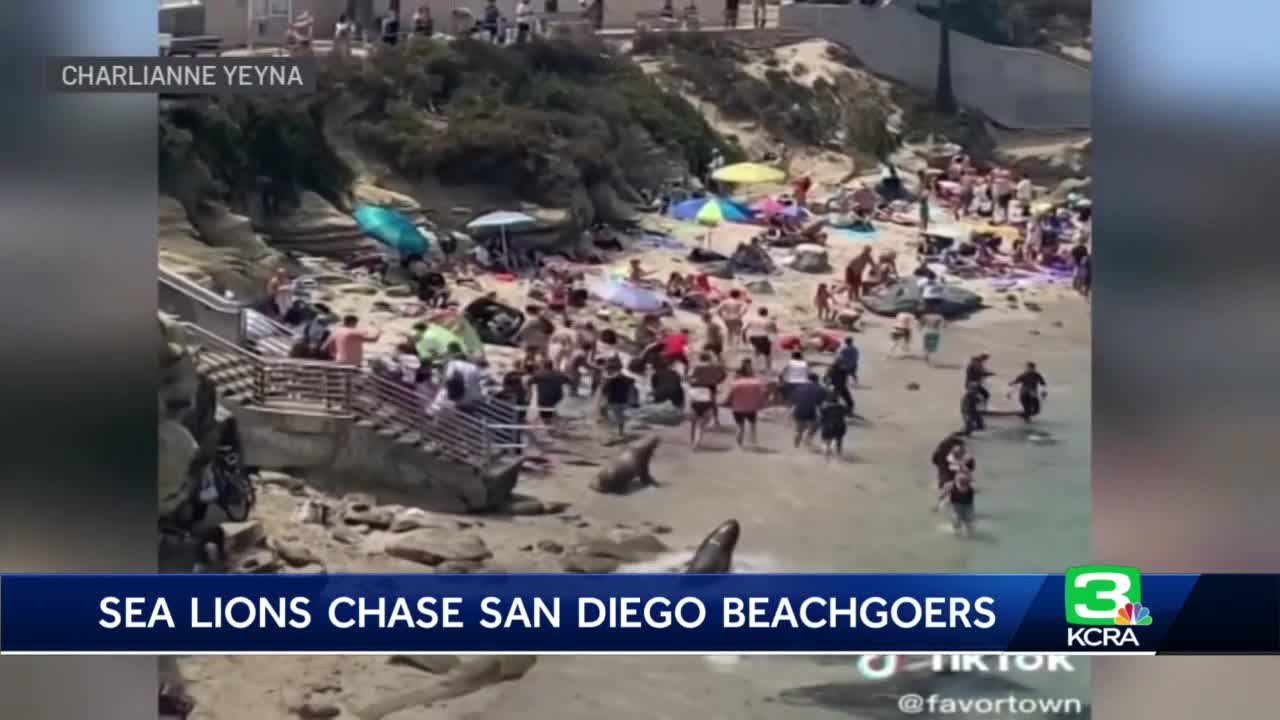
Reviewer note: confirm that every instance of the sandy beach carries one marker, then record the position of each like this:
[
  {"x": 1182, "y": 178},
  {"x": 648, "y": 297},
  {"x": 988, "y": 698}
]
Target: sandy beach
[{"x": 868, "y": 512}]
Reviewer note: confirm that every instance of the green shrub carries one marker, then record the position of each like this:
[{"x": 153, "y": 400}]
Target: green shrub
[
  {"x": 540, "y": 119},
  {"x": 235, "y": 143},
  {"x": 545, "y": 107}
]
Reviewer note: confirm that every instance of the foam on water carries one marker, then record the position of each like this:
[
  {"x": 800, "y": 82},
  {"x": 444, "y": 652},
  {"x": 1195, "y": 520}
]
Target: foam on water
[{"x": 676, "y": 560}]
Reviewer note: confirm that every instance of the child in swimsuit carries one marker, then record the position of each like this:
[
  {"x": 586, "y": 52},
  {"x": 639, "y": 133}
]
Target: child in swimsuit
[{"x": 900, "y": 333}]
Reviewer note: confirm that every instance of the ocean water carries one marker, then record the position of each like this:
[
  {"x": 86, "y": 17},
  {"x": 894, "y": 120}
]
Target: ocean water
[
  {"x": 870, "y": 512},
  {"x": 1033, "y": 514}
]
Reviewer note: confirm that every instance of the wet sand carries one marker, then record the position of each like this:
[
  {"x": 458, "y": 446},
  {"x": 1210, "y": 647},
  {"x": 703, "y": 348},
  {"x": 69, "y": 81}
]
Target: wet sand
[{"x": 868, "y": 514}]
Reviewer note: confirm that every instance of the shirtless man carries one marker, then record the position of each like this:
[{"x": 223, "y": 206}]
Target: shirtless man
[
  {"x": 853, "y": 273},
  {"x": 731, "y": 311},
  {"x": 760, "y": 332}
]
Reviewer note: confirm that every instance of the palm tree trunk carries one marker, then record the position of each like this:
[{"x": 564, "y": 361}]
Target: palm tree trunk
[{"x": 944, "y": 97}]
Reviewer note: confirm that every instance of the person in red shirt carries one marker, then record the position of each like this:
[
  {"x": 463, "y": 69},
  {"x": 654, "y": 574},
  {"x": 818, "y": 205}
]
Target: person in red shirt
[
  {"x": 702, "y": 284},
  {"x": 746, "y": 399},
  {"x": 675, "y": 348},
  {"x": 809, "y": 340},
  {"x": 346, "y": 344}
]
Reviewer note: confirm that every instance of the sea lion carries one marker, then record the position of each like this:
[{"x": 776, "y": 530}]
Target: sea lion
[
  {"x": 715, "y": 554},
  {"x": 879, "y": 700},
  {"x": 631, "y": 465},
  {"x": 466, "y": 677}
]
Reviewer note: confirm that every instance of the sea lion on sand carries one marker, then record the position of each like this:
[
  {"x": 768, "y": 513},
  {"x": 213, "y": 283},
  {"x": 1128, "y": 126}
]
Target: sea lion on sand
[
  {"x": 464, "y": 679},
  {"x": 631, "y": 465},
  {"x": 879, "y": 700},
  {"x": 715, "y": 554}
]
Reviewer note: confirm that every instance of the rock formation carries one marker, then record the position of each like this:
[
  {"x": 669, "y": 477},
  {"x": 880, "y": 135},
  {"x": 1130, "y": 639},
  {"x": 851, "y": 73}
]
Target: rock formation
[
  {"x": 318, "y": 228},
  {"x": 811, "y": 259},
  {"x": 191, "y": 428},
  {"x": 177, "y": 396},
  {"x": 463, "y": 679}
]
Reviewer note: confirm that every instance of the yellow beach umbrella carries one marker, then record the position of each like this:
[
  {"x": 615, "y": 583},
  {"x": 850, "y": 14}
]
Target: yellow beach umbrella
[{"x": 748, "y": 174}]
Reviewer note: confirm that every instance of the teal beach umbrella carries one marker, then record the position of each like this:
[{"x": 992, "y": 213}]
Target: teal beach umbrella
[{"x": 392, "y": 228}]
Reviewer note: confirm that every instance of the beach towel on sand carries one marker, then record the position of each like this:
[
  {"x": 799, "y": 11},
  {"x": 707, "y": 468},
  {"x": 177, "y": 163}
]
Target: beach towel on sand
[{"x": 627, "y": 295}]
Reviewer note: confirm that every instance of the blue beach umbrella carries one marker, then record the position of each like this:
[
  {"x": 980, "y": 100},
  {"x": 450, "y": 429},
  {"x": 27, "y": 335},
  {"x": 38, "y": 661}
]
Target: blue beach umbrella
[
  {"x": 392, "y": 228},
  {"x": 502, "y": 221},
  {"x": 711, "y": 210}
]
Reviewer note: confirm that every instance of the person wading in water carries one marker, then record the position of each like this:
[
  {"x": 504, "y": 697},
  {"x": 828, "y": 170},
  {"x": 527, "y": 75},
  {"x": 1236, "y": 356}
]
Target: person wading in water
[
  {"x": 1031, "y": 391},
  {"x": 959, "y": 492}
]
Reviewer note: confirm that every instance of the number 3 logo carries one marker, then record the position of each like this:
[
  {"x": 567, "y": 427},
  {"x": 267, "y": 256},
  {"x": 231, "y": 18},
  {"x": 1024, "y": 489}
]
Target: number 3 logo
[{"x": 1095, "y": 593}]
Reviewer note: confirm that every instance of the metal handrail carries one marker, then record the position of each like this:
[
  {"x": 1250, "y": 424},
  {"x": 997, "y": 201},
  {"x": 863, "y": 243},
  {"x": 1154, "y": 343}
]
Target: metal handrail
[
  {"x": 197, "y": 292},
  {"x": 277, "y": 328},
  {"x": 469, "y": 433},
  {"x": 461, "y": 433},
  {"x": 222, "y": 344}
]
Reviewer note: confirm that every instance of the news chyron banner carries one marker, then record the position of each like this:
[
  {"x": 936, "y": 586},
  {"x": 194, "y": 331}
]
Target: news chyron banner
[{"x": 1091, "y": 610}]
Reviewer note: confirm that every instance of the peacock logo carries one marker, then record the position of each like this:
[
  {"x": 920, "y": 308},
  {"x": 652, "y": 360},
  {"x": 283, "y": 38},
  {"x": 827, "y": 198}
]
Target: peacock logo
[{"x": 1133, "y": 614}]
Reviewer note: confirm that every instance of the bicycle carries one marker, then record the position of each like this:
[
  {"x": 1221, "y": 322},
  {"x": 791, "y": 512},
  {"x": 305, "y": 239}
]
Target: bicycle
[{"x": 225, "y": 484}]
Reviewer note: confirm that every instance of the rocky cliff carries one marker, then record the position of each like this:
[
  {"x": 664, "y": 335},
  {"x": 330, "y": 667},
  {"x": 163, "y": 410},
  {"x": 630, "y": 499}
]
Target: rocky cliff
[{"x": 191, "y": 423}]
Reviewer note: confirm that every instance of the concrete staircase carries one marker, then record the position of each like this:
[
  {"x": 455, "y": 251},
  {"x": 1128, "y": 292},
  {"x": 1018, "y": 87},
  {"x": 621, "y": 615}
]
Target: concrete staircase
[{"x": 349, "y": 429}]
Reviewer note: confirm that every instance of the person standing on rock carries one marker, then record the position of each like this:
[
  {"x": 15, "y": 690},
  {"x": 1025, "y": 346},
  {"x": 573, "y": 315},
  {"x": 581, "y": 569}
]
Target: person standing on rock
[{"x": 345, "y": 344}]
